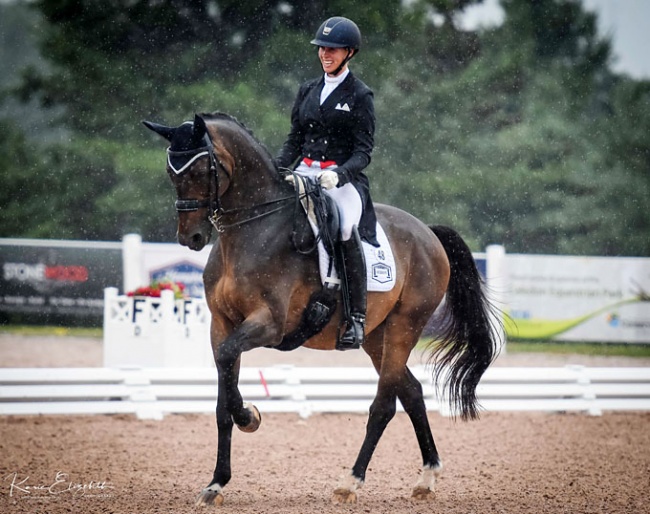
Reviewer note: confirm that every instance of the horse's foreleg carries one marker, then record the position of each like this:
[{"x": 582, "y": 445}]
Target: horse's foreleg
[
  {"x": 231, "y": 409},
  {"x": 245, "y": 416},
  {"x": 225, "y": 422},
  {"x": 212, "y": 494},
  {"x": 412, "y": 399}
]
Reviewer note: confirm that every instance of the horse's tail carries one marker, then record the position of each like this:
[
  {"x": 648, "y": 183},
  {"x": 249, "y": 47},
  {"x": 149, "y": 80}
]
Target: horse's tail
[{"x": 468, "y": 341}]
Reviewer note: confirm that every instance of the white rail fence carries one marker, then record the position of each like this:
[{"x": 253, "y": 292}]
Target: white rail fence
[{"x": 150, "y": 393}]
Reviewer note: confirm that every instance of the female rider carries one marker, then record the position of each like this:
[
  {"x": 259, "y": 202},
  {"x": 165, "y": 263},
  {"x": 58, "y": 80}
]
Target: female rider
[{"x": 331, "y": 139}]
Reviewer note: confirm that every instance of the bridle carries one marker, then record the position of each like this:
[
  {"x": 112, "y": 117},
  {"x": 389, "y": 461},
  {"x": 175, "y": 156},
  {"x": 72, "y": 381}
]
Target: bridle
[
  {"x": 193, "y": 155},
  {"x": 213, "y": 202}
]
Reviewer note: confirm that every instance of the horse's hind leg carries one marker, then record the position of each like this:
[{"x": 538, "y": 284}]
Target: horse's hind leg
[
  {"x": 394, "y": 380},
  {"x": 345, "y": 491},
  {"x": 412, "y": 399}
]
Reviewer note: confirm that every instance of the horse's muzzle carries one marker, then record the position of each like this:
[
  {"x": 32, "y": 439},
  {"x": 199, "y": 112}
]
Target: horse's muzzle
[{"x": 195, "y": 240}]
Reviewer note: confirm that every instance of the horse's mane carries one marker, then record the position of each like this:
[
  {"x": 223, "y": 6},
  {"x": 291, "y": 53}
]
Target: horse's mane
[{"x": 216, "y": 116}]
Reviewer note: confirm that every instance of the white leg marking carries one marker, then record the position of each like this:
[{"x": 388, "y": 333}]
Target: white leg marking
[
  {"x": 428, "y": 477},
  {"x": 211, "y": 495},
  {"x": 346, "y": 492},
  {"x": 349, "y": 483},
  {"x": 214, "y": 488}
]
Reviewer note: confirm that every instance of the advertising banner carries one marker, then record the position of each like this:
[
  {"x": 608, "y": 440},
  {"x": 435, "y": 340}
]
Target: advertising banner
[
  {"x": 56, "y": 280},
  {"x": 561, "y": 298},
  {"x": 571, "y": 298},
  {"x": 171, "y": 261}
]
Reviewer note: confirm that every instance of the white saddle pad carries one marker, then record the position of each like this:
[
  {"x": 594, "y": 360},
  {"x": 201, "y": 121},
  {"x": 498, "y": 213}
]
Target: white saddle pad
[{"x": 380, "y": 262}]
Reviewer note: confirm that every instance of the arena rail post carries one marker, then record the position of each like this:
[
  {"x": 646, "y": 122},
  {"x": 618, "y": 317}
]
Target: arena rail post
[
  {"x": 496, "y": 278},
  {"x": 132, "y": 262}
]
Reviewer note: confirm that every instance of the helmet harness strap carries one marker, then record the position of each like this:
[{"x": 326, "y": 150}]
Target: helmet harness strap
[{"x": 349, "y": 56}]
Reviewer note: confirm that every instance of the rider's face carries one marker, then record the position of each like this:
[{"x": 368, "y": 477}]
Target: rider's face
[{"x": 331, "y": 58}]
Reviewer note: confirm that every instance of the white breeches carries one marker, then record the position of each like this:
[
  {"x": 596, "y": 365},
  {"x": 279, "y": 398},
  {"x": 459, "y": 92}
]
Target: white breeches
[{"x": 346, "y": 197}]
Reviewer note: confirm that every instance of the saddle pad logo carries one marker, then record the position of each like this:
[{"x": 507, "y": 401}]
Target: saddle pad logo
[{"x": 382, "y": 273}]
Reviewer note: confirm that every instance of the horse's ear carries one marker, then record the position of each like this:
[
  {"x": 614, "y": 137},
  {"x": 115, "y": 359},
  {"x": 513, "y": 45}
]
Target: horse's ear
[
  {"x": 166, "y": 132},
  {"x": 200, "y": 128}
]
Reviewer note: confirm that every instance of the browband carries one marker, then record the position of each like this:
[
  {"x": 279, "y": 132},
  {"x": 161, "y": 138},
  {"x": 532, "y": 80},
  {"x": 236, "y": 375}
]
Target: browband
[{"x": 196, "y": 154}]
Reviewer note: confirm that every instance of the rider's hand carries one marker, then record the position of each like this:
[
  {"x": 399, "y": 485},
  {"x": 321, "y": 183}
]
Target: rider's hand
[
  {"x": 328, "y": 179},
  {"x": 296, "y": 182}
]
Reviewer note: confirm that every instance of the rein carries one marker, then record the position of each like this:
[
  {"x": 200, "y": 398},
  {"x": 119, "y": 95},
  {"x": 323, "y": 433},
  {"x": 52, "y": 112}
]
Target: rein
[
  {"x": 219, "y": 226},
  {"x": 310, "y": 191},
  {"x": 214, "y": 200}
]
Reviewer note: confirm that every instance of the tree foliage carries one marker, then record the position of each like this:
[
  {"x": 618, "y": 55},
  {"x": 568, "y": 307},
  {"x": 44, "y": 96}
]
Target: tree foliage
[{"x": 519, "y": 134}]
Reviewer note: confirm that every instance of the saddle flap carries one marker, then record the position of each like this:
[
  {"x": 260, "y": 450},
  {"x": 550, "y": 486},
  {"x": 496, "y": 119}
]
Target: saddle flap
[{"x": 322, "y": 212}]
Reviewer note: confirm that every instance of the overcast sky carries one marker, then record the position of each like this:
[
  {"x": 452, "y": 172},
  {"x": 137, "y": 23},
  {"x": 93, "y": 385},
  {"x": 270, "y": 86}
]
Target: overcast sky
[{"x": 626, "y": 21}]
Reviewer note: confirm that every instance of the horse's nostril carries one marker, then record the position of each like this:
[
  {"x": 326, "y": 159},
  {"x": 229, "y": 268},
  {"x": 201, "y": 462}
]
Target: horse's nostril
[{"x": 195, "y": 241}]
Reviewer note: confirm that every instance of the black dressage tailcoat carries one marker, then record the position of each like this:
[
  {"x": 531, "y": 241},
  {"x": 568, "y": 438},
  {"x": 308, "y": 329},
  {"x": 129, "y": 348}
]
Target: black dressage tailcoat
[{"x": 340, "y": 130}]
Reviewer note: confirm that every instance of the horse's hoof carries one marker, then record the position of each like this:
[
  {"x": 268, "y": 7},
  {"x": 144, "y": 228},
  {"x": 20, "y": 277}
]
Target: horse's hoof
[
  {"x": 346, "y": 490},
  {"x": 423, "y": 490},
  {"x": 209, "y": 497},
  {"x": 256, "y": 419},
  {"x": 423, "y": 494},
  {"x": 342, "y": 496}
]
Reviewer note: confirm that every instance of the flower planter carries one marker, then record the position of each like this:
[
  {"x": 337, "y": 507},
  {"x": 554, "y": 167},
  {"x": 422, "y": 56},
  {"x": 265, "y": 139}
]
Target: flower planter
[{"x": 155, "y": 332}]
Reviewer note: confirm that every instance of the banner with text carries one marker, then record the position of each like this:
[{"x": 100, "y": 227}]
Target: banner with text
[
  {"x": 171, "y": 261},
  {"x": 53, "y": 281},
  {"x": 578, "y": 298}
]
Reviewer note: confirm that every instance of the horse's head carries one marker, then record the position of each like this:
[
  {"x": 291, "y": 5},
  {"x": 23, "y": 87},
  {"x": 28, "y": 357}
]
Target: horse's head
[{"x": 192, "y": 167}]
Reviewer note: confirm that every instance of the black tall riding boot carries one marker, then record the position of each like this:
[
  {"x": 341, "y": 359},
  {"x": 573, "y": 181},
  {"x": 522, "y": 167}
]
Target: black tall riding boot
[{"x": 355, "y": 270}]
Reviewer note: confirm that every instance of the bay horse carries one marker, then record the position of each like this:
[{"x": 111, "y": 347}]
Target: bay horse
[{"x": 257, "y": 286}]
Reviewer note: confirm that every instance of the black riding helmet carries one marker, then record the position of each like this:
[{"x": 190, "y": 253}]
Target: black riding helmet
[{"x": 339, "y": 32}]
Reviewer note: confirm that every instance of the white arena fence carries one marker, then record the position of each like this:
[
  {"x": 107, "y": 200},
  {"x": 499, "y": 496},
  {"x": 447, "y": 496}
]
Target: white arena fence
[{"x": 150, "y": 393}]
